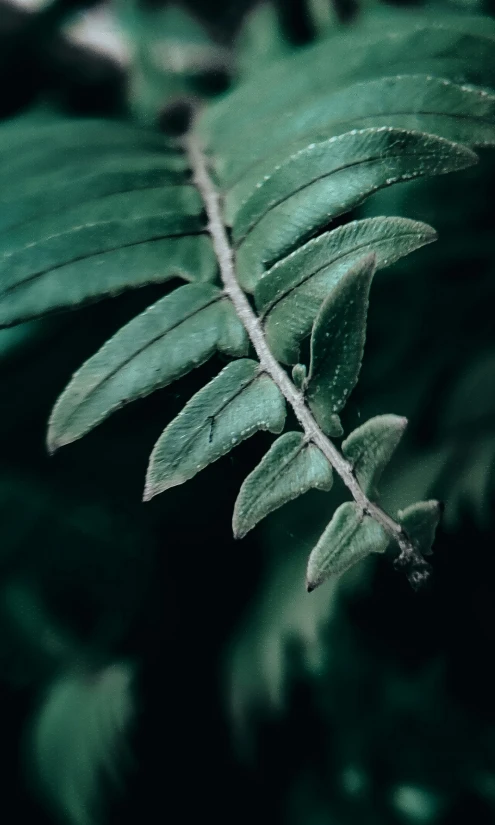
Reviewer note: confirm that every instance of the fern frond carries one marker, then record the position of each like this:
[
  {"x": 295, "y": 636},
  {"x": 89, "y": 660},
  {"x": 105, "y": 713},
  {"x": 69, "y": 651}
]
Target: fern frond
[{"x": 245, "y": 204}]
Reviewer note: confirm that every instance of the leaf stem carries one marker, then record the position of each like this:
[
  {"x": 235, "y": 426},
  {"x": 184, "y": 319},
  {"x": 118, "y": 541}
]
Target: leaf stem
[{"x": 409, "y": 556}]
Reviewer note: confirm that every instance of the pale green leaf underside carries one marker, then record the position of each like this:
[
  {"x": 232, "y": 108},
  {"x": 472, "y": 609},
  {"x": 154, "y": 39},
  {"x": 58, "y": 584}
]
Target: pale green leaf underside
[
  {"x": 337, "y": 344},
  {"x": 291, "y": 293},
  {"x": 370, "y": 447},
  {"x": 178, "y": 333},
  {"x": 291, "y": 467},
  {"x": 417, "y": 102},
  {"x": 420, "y": 522},
  {"x": 349, "y": 538},
  {"x": 78, "y": 739},
  {"x": 325, "y": 180},
  {"x": 237, "y": 403}
]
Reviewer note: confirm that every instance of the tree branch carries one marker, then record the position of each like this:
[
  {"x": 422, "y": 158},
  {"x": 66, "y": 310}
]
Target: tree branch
[{"x": 409, "y": 556}]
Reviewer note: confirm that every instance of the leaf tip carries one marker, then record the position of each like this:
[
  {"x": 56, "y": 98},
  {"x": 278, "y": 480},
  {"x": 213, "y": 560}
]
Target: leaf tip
[
  {"x": 54, "y": 441},
  {"x": 52, "y": 446},
  {"x": 148, "y": 492},
  {"x": 239, "y": 529}
]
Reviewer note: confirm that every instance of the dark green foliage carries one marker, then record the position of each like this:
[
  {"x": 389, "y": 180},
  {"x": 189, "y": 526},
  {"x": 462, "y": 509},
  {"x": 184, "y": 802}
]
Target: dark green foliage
[
  {"x": 144, "y": 220},
  {"x": 81, "y": 724},
  {"x": 89, "y": 209}
]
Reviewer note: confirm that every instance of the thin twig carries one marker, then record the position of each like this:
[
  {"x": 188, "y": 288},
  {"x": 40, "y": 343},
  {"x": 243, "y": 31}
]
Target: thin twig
[{"x": 409, "y": 555}]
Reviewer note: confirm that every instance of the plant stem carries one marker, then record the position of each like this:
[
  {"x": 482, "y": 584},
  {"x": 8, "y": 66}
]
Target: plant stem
[{"x": 211, "y": 197}]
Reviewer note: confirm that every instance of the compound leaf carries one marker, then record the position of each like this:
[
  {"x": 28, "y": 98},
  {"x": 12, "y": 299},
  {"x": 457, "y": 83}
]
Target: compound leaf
[
  {"x": 349, "y": 538},
  {"x": 290, "y": 468},
  {"x": 237, "y": 403}
]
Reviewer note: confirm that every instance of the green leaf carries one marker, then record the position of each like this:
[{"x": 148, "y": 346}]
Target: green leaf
[
  {"x": 178, "y": 333},
  {"x": 63, "y": 188},
  {"x": 240, "y": 401},
  {"x": 349, "y": 538},
  {"x": 60, "y": 133},
  {"x": 102, "y": 248},
  {"x": 68, "y": 142},
  {"x": 77, "y": 740},
  {"x": 299, "y": 375},
  {"x": 419, "y": 102},
  {"x": 290, "y": 294},
  {"x": 337, "y": 344},
  {"x": 327, "y": 179},
  {"x": 441, "y": 47},
  {"x": 420, "y": 522},
  {"x": 291, "y": 467},
  {"x": 378, "y": 153},
  {"x": 370, "y": 447}
]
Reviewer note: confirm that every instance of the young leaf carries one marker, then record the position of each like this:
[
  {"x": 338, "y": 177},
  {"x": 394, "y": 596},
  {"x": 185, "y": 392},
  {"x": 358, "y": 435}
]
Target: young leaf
[
  {"x": 240, "y": 401},
  {"x": 420, "y": 522},
  {"x": 349, "y": 538},
  {"x": 290, "y": 294},
  {"x": 299, "y": 375},
  {"x": 178, "y": 333},
  {"x": 77, "y": 739},
  {"x": 337, "y": 344},
  {"x": 370, "y": 447},
  {"x": 325, "y": 180},
  {"x": 290, "y": 468}
]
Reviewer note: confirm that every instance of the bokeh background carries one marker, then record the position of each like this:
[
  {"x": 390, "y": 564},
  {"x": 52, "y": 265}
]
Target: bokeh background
[{"x": 151, "y": 668}]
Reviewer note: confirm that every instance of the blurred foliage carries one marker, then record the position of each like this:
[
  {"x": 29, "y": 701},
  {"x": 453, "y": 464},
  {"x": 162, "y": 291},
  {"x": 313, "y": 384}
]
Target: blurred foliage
[{"x": 236, "y": 693}]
